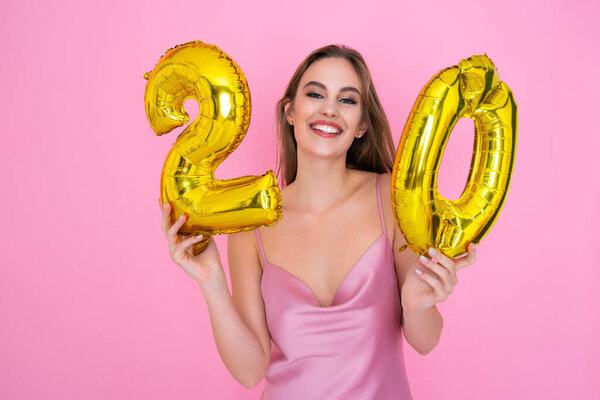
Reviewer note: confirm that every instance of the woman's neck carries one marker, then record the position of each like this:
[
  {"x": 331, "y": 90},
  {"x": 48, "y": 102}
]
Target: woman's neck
[{"x": 320, "y": 183}]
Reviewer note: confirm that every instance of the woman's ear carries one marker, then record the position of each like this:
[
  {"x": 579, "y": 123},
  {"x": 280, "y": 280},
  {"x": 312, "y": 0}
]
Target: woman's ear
[
  {"x": 362, "y": 128},
  {"x": 287, "y": 110}
]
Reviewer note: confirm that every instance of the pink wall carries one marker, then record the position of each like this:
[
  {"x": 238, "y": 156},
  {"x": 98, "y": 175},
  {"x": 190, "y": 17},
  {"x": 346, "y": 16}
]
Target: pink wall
[{"x": 91, "y": 306}]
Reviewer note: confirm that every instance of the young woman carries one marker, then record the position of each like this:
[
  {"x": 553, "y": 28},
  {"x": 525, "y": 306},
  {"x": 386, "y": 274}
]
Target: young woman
[{"x": 319, "y": 300}]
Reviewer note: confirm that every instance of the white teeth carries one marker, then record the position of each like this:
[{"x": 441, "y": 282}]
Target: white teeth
[{"x": 326, "y": 128}]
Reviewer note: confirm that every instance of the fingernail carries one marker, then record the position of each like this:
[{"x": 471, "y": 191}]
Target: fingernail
[
  {"x": 418, "y": 271},
  {"x": 424, "y": 259},
  {"x": 432, "y": 251},
  {"x": 181, "y": 216},
  {"x": 165, "y": 205},
  {"x": 199, "y": 236}
]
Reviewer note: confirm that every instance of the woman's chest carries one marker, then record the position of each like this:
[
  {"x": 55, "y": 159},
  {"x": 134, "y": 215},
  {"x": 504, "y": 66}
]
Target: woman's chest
[
  {"x": 322, "y": 252},
  {"x": 299, "y": 241}
]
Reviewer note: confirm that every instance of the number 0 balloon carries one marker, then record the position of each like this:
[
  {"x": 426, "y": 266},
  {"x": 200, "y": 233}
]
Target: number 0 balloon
[
  {"x": 470, "y": 89},
  {"x": 203, "y": 72}
]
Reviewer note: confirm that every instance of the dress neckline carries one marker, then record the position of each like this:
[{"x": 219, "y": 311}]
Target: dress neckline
[{"x": 345, "y": 279}]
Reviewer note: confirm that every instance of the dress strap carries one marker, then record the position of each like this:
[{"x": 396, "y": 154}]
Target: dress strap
[
  {"x": 260, "y": 246},
  {"x": 379, "y": 202}
]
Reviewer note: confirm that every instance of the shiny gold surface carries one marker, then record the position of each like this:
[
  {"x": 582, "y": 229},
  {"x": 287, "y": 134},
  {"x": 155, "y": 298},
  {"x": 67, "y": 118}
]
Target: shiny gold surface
[
  {"x": 204, "y": 73},
  {"x": 470, "y": 89}
]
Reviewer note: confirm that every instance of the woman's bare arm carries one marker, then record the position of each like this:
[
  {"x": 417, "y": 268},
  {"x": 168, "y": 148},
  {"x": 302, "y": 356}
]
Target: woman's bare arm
[
  {"x": 241, "y": 351},
  {"x": 422, "y": 328},
  {"x": 423, "y": 282},
  {"x": 238, "y": 320}
]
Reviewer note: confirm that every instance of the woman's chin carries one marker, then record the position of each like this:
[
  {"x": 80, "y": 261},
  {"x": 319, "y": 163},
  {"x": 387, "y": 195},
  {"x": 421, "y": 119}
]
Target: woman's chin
[{"x": 324, "y": 152}]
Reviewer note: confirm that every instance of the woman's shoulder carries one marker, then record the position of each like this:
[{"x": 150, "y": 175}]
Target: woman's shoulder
[
  {"x": 385, "y": 179},
  {"x": 365, "y": 178},
  {"x": 385, "y": 194}
]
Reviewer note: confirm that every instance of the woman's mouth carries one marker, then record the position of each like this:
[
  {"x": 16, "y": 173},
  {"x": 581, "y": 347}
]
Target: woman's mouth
[{"x": 327, "y": 130}]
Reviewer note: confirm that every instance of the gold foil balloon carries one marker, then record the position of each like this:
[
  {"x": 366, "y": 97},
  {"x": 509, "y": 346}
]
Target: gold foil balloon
[
  {"x": 470, "y": 89},
  {"x": 202, "y": 72}
]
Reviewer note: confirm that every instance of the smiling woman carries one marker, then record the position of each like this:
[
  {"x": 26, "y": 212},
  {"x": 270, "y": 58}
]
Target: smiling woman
[
  {"x": 328, "y": 285},
  {"x": 321, "y": 299},
  {"x": 373, "y": 152}
]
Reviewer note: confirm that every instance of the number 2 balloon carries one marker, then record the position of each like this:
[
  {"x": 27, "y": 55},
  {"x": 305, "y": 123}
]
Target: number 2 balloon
[{"x": 200, "y": 71}]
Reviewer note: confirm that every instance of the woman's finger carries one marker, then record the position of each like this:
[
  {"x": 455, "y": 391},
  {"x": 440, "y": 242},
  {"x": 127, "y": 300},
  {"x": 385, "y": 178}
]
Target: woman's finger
[
  {"x": 469, "y": 259},
  {"x": 440, "y": 294},
  {"x": 183, "y": 246},
  {"x": 446, "y": 262},
  {"x": 172, "y": 232},
  {"x": 443, "y": 274},
  {"x": 166, "y": 218}
]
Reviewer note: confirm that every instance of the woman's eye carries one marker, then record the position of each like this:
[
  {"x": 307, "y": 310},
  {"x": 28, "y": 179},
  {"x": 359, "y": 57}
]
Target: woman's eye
[{"x": 346, "y": 100}]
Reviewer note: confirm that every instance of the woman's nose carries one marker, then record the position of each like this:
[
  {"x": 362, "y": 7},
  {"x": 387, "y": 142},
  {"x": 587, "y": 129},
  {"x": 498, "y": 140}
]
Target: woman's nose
[{"x": 329, "y": 107}]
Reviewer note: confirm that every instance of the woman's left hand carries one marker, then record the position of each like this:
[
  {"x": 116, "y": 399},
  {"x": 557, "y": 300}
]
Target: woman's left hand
[{"x": 435, "y": 282}]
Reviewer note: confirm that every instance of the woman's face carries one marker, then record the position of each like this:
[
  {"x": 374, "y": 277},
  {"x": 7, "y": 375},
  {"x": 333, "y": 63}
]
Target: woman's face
[{"x": 327, "y": 109}]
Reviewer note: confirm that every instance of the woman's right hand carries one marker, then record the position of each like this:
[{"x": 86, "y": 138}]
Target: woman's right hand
[{"x": 203, "y": 267}]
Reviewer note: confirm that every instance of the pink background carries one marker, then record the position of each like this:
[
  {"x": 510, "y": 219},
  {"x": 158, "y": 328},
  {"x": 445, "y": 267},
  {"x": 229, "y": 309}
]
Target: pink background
[{"x": 92, "y": 307}]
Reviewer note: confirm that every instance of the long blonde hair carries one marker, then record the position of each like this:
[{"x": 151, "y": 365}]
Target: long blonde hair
[{"x": 374, "y": 151}]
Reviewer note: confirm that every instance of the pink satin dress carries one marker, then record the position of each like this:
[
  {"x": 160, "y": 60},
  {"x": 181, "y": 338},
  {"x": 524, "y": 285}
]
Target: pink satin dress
[{"x": 349, "y": 350}]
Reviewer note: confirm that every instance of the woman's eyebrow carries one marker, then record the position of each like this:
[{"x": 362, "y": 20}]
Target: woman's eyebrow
[{"x": 346, "y": 88}]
